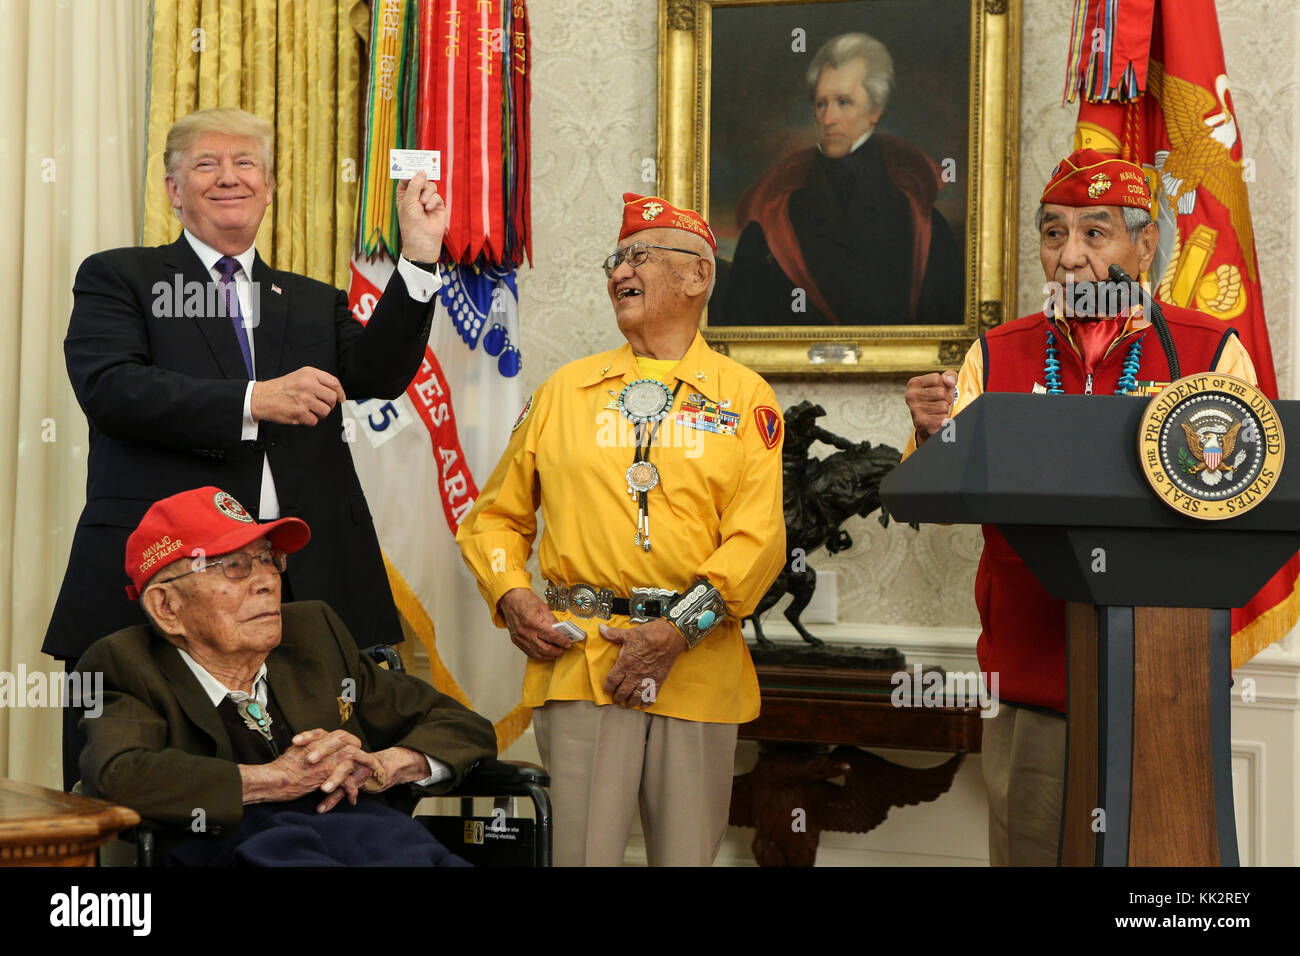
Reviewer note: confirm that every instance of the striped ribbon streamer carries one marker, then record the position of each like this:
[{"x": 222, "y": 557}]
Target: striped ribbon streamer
[
  {"x": 390, "y": 108},
  {"x": 516, "y": 172},
  {"x": 473, "y": 107},
  {"x": 1109, "y": 46}
]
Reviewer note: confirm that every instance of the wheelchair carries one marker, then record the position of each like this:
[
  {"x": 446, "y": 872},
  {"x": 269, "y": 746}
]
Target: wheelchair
[{"x": 497, "y": 840}]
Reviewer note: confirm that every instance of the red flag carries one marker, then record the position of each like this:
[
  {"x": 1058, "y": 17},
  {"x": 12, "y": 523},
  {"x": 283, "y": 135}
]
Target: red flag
[{"x": 1166, "y": 103}]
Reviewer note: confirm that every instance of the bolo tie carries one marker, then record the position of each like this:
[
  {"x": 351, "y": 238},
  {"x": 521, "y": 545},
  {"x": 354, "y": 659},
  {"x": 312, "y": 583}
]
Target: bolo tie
[{"x": 645, "y": 403}]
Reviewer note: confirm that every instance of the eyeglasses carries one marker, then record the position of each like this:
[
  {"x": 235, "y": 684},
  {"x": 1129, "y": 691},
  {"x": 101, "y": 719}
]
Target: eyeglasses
[
  {"x": 239, "y": 565},
  {"x": 636, "y": 255}
]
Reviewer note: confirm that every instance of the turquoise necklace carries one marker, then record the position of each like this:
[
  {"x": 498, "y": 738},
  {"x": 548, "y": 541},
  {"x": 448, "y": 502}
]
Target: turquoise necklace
[{"x": 1127, "y": 378}]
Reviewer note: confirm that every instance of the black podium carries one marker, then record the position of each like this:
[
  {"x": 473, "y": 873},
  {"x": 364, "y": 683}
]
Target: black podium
[{"x": 1147, "y": 627}]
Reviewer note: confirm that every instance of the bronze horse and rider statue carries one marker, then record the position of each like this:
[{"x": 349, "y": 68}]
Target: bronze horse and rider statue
[{"x": 819, "y": 494}]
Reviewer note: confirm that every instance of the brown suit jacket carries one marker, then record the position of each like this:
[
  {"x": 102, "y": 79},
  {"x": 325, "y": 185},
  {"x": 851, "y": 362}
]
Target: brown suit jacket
[{"x": 159, "y": 745}]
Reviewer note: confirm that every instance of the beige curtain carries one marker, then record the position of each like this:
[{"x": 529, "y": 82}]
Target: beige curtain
[
  {"x": 297, "y": 65},
  {"x": 72, "y": 80}
]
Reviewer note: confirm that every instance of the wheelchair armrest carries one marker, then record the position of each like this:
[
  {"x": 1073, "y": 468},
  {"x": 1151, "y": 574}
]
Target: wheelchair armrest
[
  {"x": 384, "y": 654},
  {"x": 501, "y": 778}
]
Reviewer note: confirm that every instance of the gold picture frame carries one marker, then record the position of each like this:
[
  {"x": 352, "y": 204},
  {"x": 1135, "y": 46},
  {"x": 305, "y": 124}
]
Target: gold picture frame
[{"x": 987, "y": 247}]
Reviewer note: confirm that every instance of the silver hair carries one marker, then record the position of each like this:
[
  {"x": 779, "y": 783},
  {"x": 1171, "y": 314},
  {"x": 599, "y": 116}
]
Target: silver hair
[
  {"x": 1135, "y": 220},
  {"x": 702, "y": 246},
  {"x": 835, "y": 52}
]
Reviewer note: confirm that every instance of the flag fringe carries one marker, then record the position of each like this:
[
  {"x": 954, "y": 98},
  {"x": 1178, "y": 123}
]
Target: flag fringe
[
  {"x": 509, "y": 727},
  {"x": 1273, "y": 625},
  {"x": 513, "y": 724},
  {"x": 410, "y": 607}
]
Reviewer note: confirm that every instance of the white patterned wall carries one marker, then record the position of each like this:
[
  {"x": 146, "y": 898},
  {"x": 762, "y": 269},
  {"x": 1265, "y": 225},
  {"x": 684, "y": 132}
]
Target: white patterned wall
[{"x": 594, "y": 108}]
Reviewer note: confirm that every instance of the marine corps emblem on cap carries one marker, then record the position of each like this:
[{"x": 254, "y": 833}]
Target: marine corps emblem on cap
[
  {"x": 1085, "y": 178},
  {"x": 1211, "y": 446},
  {"x": 655, "y": 212},
  {"x": 231, "y": 508}
]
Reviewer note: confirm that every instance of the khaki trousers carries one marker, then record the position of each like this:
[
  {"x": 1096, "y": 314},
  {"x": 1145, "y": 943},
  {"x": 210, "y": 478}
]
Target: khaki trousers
[
  {"x": 604, "y": 761},
  {"x": 1023, "y": 755}
]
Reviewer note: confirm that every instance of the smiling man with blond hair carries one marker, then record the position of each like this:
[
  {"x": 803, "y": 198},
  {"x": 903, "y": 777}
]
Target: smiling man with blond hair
[{"x": 197, "y": 363}]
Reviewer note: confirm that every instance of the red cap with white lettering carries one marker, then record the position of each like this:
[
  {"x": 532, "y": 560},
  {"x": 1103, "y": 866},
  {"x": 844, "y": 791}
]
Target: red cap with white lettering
[{"x": 205, "y": 521}]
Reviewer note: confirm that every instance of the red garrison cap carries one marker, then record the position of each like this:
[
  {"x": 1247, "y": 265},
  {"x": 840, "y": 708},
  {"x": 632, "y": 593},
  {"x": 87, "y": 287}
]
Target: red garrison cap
[
  {"x": 1089, "y": 178},
  {"x": 205, "y": 521},
  {"x": 651, "y": 212}
]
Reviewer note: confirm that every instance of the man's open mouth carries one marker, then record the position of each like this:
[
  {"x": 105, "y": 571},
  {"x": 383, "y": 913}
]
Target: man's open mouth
[{"x": 626, "y": 293}]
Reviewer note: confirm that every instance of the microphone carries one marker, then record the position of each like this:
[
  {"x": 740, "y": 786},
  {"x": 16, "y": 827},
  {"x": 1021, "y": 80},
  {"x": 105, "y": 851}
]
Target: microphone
[{"x": 1117, "y": 274}]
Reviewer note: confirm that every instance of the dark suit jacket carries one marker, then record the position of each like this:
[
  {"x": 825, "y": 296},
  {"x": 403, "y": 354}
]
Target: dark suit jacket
[
  {"x": 159, "y": 745},
  {"x": 164, "y": 395}
]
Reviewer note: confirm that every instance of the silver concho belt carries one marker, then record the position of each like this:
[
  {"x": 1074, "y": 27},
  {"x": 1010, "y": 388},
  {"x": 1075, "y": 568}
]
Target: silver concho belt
[{"x": 586, "y": 600}]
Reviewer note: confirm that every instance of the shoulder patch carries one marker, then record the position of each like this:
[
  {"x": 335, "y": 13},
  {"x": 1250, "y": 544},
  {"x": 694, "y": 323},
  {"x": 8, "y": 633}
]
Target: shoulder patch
[
  {"x": 528, "y": 407},
  {"x": 769, "y": 425}
]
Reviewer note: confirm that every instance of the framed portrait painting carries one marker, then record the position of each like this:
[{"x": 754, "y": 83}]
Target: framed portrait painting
[{"x": 857, "y": 161}]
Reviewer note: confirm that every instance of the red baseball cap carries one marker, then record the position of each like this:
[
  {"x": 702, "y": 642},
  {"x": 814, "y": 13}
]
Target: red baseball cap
[
  {"x": 651, "y": 212},
  {"x": 205, "y": 521},
  {"x": 1089, "y": 178}
]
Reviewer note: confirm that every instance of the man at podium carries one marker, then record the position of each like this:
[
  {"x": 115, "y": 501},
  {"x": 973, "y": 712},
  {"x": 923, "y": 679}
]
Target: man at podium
[{"x": 1094, "y": 213}]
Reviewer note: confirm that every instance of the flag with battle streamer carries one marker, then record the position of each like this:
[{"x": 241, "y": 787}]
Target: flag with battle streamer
[
  {"x": 1154, "y": 90},
  {"x": 421, "y": 458},
  {"x": 449, "y": 75}
]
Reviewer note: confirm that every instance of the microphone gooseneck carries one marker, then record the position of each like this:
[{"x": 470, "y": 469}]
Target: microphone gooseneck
[{"x": 1117, "y": 274}]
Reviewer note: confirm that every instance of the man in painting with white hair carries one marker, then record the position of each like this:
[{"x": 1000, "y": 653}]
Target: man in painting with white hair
[{"x": 852, "y": 221}]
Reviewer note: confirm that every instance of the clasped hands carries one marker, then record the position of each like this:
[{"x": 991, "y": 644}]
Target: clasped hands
[
  {"x": 334, "y": 763},
  {"x": 646, "y": 653},
  {"x": 308, "y": 395}
]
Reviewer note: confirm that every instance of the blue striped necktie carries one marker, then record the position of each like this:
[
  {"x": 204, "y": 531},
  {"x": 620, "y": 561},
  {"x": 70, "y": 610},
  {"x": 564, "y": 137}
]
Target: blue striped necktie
[{"x": 228, "y": 265}]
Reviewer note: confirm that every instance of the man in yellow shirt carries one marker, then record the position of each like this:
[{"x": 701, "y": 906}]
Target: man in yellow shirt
[{"x": 657, "y": 468}]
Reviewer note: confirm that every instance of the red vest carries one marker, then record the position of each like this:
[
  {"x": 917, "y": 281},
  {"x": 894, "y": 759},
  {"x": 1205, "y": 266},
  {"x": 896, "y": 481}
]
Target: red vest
[{"x": 1022, "y": 627}]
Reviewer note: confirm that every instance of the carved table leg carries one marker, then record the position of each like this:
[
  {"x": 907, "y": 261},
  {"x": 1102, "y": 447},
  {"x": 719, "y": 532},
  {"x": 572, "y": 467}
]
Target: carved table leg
[{"x": 794, "y": 793}]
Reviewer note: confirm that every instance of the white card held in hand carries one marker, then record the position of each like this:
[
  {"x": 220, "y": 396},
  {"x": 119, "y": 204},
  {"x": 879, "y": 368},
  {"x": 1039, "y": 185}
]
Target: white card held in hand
[
  {"x": 570, "y": 630},
  {"x": 405, "y": 163}
]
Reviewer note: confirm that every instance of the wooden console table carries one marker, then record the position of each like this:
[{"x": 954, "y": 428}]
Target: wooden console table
[
  {"x": 806, "y": 711},
  {"x": 41, "y": 827}
]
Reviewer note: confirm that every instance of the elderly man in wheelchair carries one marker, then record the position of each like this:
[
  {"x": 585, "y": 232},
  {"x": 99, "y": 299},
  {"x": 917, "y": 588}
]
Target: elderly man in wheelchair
[{"x": 257, "y": 730}]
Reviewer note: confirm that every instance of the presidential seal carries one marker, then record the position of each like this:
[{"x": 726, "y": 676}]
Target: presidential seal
[{"x": 1211, "y": 446}]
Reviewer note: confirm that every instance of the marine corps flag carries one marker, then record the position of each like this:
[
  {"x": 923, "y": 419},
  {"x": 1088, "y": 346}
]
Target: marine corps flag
[{"x": 1155, "y": 91}]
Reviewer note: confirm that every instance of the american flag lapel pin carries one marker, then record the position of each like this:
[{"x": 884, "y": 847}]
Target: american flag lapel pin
[{"x": 275, "y": 288}]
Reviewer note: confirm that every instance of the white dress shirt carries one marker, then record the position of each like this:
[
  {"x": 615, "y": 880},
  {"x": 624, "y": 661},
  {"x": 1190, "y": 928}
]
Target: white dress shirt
[
  {"x": 217, "y": 692},
  {"x": 420, "y": 283}
]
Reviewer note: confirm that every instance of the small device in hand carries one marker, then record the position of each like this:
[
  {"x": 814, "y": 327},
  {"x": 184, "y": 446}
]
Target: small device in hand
[{"x": 570, "y": 630}]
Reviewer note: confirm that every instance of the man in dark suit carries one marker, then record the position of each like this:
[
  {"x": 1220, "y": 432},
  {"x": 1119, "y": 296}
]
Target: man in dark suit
[
  {"x": 198, "y": 364},
  {"x": 846, "y": 233},
  {"x": 229, "y": 699}
]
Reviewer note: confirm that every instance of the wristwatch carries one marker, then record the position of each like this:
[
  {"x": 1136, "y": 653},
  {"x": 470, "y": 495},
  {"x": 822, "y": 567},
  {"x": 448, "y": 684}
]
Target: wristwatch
[{"x": 697, "y": 612}]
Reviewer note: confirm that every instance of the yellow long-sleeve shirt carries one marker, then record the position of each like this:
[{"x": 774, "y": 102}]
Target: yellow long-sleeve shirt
[{"x": 716, "y": 513}]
